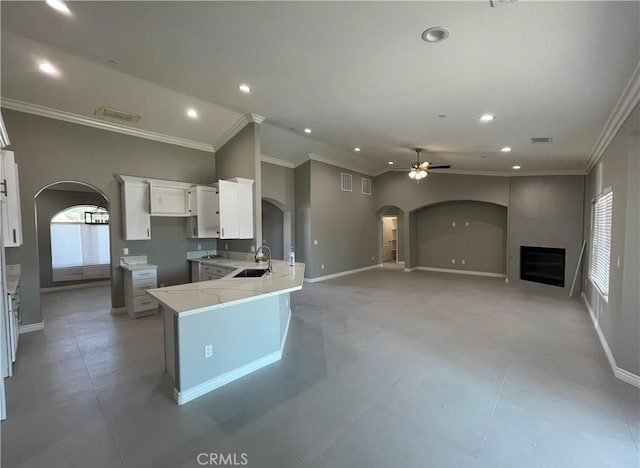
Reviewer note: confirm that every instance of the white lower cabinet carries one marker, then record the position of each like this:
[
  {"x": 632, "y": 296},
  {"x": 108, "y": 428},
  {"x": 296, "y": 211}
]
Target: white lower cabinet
[
  {"x": 136, "y": 283},
  {"x": 207, "y": 272}
]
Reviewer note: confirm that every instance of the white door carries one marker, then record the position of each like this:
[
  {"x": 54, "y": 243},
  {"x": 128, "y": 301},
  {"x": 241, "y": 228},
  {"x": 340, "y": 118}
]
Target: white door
[
  {"x": 228, "y": 199},
  {"x": 135, "y": 205}
]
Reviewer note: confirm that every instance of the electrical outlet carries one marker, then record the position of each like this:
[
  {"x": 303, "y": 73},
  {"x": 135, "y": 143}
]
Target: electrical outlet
[
  {"x": 125, "y": 251},
  {"x": 322, "y": 267},
  {"x": 453, "y": 260},
  {"x": 253, "y": 248},
  {"x": 226, "y": 246},
  {"x": 466, "y": 223},
  {"x": 463, "y": 262},
  {"x": 208, "y": 351},
  {"x": 453, "y": 224},
  {"x": 315, "y": 242},
  {"x": 373, "y": 258},
  {"x": 199, "y": 246}
]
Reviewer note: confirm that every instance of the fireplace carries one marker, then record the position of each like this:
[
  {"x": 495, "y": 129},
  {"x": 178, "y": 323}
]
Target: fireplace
[{"x": 542, "y": 265}]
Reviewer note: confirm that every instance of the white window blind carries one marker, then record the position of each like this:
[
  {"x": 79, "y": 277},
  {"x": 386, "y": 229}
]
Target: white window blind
[
  {"x": 601, "y": 242},
  {"x": 79, "y": 251}
]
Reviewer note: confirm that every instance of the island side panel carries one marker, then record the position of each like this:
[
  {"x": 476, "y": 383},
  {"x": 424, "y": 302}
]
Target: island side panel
[
  {"x": 285, "y": 317},
  {"x": 244, "y": 337},
  {"x": 169, "y": 319}
]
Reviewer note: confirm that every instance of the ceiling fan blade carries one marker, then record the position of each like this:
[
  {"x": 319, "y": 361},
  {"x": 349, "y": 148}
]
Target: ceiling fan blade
[
  {"x": 424, "y": 165},
  {"x": 448, "y": 166}
]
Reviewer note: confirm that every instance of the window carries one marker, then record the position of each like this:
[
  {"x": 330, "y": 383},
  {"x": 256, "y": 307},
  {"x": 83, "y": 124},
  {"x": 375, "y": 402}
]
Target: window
[
  {"x": 601, "y": 242},
  {"x": 79, "y": 251},
  {"x": 366, "y": 186},
  {"x": 346, "y": 181}
]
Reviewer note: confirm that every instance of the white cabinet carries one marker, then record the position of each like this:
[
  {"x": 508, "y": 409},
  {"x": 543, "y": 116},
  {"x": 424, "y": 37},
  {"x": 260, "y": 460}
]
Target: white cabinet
[
  {"x": 236, "y": 208},
  {"x": 136, "y": 220},
  {"x": 212, "y": 272},
  {"x": 169, "y": 199},
  {"x": 136, "y": 283},
  {"x": 205, "y": 218},
  {"x": 10, "y": 187}
]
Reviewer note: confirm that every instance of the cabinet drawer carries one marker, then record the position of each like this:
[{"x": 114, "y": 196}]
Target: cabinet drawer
[
  {"x": 215, "y": 271},
  {"x": 143, "y": 274},
  {"x": 145, "y": 302},
  {"x": 141, "y": 285}
]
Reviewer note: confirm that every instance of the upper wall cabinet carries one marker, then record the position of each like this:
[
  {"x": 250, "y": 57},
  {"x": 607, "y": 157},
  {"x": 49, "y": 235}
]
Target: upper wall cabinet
[
  {"x": 10, "y": 188},
  {"x": 136, "y": 220},
  {"x": 204, "y": 209},
  {"x": 169, "y": 199},
  {"x": 236, "y": 208}
]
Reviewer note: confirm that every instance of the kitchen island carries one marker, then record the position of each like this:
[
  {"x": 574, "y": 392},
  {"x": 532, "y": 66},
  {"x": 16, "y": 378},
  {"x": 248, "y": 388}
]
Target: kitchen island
[{"x": 220, "y": 330}]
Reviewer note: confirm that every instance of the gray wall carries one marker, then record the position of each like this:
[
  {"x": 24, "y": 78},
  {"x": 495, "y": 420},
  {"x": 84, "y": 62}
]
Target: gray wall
[
  {"x": 619, "y": 318},
  {"x": 272, "y": 229},
  {"x": 482, "y": 244},
  {"x": 344, "y": 223},
  {"x": 241, "y": 157},
  {"x": 546, "y": 212},
  {"x": 48, "y": 204},
  {"x": 50, "y": 151},
  {"x": 302, "y": 175}
]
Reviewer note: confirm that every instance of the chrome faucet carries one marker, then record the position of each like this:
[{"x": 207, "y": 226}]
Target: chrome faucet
[{"x": 259, "y": 249}]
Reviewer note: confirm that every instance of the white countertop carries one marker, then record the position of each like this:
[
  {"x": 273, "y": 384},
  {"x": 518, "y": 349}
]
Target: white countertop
[
  {"x": 192, "y": 298},
  {"x": 137, "y": 262}
]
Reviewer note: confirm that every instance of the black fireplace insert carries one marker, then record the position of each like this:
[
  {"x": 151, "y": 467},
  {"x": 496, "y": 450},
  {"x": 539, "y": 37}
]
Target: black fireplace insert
[{"x": 542, "y": 265}]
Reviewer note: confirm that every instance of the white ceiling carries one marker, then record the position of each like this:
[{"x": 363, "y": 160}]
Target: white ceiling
[{"x": 357, "y": 73}]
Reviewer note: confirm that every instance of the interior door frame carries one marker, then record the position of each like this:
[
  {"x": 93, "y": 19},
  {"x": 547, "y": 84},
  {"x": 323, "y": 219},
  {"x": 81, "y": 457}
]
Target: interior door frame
[{"x": 382, "y": 232}]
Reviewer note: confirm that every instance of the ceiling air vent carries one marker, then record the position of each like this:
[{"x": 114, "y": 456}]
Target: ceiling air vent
[
  {"x": 541, "y": 140},
  {"x": 117, "y": 114}
]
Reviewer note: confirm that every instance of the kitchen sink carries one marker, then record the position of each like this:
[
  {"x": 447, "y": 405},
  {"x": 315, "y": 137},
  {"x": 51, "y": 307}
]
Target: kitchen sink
[{"x": 251, "y": 273}]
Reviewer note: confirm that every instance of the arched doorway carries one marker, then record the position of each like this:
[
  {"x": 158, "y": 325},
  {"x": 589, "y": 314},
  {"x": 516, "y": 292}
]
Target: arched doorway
[
  {"x": 390, "y": 235},
  {"x": 72, "y": 231},
  {"x": 276, "y": 228}
]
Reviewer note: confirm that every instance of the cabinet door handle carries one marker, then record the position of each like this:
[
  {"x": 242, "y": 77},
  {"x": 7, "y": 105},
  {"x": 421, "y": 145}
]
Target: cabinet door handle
[
  {"x": 14, "y": 236},
  {"x": 148, "y": 232},
  {"x": 222, "y": 232},
  {"x": 4, "y": 187}
]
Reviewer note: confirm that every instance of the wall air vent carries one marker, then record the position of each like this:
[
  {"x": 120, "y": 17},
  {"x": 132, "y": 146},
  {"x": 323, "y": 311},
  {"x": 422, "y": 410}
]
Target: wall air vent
[
  {"x": 366, "y": 186},
  {"x": 117, "y": 114},
  {"x": 541, "y": 140},
  {"x": 346, "y": 182}
]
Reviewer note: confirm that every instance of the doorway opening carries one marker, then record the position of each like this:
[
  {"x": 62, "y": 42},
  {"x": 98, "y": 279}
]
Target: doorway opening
[
  {"x": 73, "y": 236},
  {"x": 390, "y": 239},
  {"x": 276, "y": 228}
]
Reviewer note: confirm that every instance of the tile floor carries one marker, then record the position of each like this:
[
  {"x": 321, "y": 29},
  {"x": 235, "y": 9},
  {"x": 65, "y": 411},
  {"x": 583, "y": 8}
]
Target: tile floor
[{"x": 381, "y": 369}]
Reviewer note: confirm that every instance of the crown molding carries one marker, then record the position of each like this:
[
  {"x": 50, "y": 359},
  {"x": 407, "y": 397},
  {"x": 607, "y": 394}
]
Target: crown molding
[
  {"x": 628, "y": 101},
  {"x": 333, "y": 162},
  {"x": 238, "y": 125},
  {"x": 278, "y": 162},
  {"x": 559, "y": 172},
  {"x": 56, "y": 114}
]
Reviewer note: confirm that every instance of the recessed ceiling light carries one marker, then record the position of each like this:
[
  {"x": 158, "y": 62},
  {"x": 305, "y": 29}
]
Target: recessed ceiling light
[
  {"x": 245, "y": 88},
  {"x": 356, "y": 149},
  {"x": 307, "y": 130},
  {"x": 59, "y": 6},
  {"x": 47, "y": 68},
  {"x": 435, "y": 34},
  {"x": 516, "y": 167},
  {"x": 506, "y": 149},
  {"x": 487, "y": 117},
  {"x": 191, "y": 112},
  {"x": 390, "y": 163}
]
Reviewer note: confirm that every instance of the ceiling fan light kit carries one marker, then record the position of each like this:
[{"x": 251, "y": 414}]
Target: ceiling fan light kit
[{"x": 419, "y": 168}]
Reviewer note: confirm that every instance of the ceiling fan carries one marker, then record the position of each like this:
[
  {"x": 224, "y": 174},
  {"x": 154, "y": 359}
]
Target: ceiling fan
[{"x": 420, "y": 169}]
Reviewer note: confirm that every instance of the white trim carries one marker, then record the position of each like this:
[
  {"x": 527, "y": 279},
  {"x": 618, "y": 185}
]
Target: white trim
[
  {"x": 400, "y": 262},
  {"x": 31, "y": 327},
  {"x": 618, "y": 372},
  {"x": 283, "y": 340},
  {"x": 43, "y": 111},
  {"x": 333, "y": 162},
  {"x": 342, "y": 273},
  {"x": 461, "y": 272},
  {"x": 558, "y": 172},
  {"x": 277, "y": 162},
  {"x": 627, "y": 376},
  {"x": 93, "y": 284},
  {"x": 629, "y": 98},
  {"x": 409, "y": 270},
  {"x": 217, "y": 382},
  {"x": 233, "y": 130},
  {"x": 118, "y": 310}
]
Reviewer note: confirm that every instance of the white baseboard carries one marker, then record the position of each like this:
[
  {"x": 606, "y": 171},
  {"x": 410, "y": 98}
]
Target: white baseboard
[
  {"x": 461, "y": 272},
  {"x": 31, "y": 327},
  {"x": 409, "y": 270},
  {"x": 618, "y": 372},
  {"x": 400, "y": 263},
  {"x": 92, "y": 284},
  {"x": 205, "y": 387},
  {"x": 342, "y": 273},
  {"x": 118, "y": 310}
]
